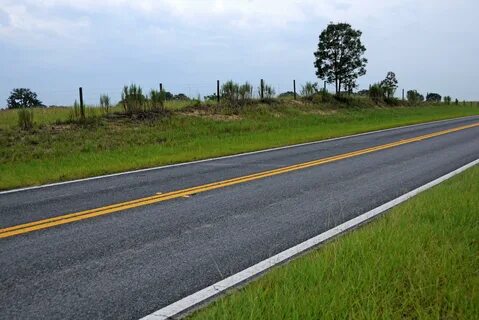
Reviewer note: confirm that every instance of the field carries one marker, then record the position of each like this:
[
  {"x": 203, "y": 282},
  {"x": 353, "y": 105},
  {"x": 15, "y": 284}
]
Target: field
[
  {"x": 419, "y": 261},
  {"x": 58, "y": 150}
]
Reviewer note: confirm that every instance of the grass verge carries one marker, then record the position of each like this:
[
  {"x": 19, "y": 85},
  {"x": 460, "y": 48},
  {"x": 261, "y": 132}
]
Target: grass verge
[
  {"x": 55, "y": 151},
  {"x": 419, "y": 261}
]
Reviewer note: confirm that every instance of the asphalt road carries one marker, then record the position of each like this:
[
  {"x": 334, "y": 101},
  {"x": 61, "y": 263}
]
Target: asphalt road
[{"x": 128, "y": 264}]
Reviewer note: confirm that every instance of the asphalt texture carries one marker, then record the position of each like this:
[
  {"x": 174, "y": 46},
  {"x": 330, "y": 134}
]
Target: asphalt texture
[{"x": 128, "y": 264}]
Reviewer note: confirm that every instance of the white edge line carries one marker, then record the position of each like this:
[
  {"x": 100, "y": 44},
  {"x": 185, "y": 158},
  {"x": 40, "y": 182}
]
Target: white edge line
[
  {"x": 201, "y": 296},
  {"x": 227, "y": 157}
]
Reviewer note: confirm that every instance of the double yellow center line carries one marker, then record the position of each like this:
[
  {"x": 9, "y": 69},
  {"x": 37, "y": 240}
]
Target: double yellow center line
[{"x": 87, "y": 214}]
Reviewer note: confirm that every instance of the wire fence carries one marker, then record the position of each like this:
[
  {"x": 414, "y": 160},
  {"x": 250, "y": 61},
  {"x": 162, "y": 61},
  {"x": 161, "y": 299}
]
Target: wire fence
[{"x": 192, "y": 90}]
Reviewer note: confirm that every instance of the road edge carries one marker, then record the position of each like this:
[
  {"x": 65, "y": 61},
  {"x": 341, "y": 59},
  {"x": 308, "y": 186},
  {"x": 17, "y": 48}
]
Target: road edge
[
  {"x": 226, "y": 157},
  {"x": 186, "y": 304}
]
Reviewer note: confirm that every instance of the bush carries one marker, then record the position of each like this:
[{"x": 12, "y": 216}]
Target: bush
[
  {"x": 308, "y": 90},
  {"x": 75, "y": 112},
  {"x": 236, "y": 95},
  {"x": 133, "y": 99},
  {"x": 376, "y": 93},
  {"x": 157, "y": 100},
  {"x": 105, "y": 103},
  {"x": 268, "y": 92},
  {"x": 414, "y": 97},
  {"x": 230, "y": 92},
  {"x": 322, "y": 96},
  {"x": 25, "y": 118},
  {"x": 392, "y": 101},
  {"x": 245, "y": 92}
]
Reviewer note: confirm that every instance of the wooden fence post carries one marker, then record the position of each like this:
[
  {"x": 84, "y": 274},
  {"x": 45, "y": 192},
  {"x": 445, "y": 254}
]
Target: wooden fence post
[
  {"x": 82, "y": 107},
  {"x": 294, "y": 89},
  {"x": 262, "y": 89}
]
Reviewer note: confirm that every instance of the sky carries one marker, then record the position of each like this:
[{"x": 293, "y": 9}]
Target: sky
[{"x": 55, "y": 46}]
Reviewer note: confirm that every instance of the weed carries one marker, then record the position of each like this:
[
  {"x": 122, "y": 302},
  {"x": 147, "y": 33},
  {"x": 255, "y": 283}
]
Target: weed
[{"x": 25, "y": 118}]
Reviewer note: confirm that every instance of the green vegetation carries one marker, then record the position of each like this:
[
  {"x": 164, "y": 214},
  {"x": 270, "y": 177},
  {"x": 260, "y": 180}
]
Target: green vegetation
[
  {"x": 339, "y": 58},
  {"x": 419, "y": 261},
  {"x": 23, "y": 98},
  {"x": 57, "y": 148}
]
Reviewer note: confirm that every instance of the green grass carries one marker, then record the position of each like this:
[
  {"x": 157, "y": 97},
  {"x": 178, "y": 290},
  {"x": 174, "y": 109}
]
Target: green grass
[
  {"x": 54, "y": 151},
  {"x": 419, "y": 261}
]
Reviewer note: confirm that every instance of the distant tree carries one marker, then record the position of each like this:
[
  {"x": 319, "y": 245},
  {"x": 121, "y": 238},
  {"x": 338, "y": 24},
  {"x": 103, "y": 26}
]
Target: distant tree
[
  {"x": 168, "y": 95},
  {"x": 363, "y": 92},
  {"x": 181, "y": 96},
  {"x": 389, "y": 84},
  {"x": 339, "y": 58},
  {"x": 456, "y": 101},
  {"x": 433, "y": 97},
  {"x": 23, "y": 98},
  {"x": 447, "y": 100},
  {"x": 413, "y": 96}
]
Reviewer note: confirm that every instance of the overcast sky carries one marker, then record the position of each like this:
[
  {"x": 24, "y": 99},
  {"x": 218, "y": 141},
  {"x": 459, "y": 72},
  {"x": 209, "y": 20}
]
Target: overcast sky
[{"x": 55, "y": 46}]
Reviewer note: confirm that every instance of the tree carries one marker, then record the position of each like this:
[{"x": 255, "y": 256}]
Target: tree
[
  {"x": 23, "y": 98},
  {"x": 433, "y": 97},
  {"x": 339, "y": 57},
  {"x": 414, "y": 96},
  {"x": 389, "y": 84},
  {"x": 447, "y": 100}
]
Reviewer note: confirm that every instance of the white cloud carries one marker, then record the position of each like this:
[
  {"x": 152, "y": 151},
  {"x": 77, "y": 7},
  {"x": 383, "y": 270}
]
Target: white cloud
[{"x": 254, "y": 15}]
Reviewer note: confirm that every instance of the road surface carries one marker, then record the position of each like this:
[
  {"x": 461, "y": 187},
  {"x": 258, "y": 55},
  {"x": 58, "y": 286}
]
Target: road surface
[{"x": 149, "y": 239}]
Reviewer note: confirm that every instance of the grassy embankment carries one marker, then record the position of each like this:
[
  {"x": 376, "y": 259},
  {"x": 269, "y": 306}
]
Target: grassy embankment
[
  {"x": 419, "y": 261},
  {"x": 57, "y": 150}
]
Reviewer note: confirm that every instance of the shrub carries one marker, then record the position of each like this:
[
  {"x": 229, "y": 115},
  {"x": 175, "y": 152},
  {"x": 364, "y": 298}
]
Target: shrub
[
  {"x": 376, "y": 93},
  {"x": 25, "y": 118},
  {"x": 133, "y": 99},
  {"x": 268, "y": 91},
  {"x": 105, "y": 103},
  {"x": 230, "y": 92},
  {"x": 75, "y": 112},
  {"x": 236, "y": 95},
  {"x": 414, "y": 97},
  {"x": 323, "y": 96},
  {"x": 392, "y": 101},
  {"x": 245, "y": 92},
  {"x": 157, "y": 100},
  {"x": 309, "y": 89}
]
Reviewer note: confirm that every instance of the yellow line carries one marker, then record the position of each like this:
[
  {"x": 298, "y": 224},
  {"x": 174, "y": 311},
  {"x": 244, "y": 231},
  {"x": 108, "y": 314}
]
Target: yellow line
[{"x": 160, "y": 197}]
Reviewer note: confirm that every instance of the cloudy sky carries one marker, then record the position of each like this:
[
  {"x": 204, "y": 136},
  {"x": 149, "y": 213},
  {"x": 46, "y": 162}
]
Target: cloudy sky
[{"x": 55, "y": 46}]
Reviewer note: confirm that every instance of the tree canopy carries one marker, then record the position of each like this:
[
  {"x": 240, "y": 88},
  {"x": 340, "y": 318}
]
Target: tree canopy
[
  {"x": 433, "y": 97},
  {"x": 339, "y": 58},
  {"x": 23, "y": 98}
]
